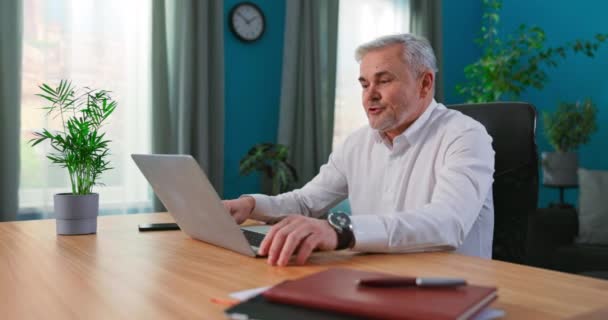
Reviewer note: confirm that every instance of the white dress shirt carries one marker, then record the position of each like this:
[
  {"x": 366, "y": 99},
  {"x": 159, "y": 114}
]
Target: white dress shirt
[{"x": 430, "y": 190}]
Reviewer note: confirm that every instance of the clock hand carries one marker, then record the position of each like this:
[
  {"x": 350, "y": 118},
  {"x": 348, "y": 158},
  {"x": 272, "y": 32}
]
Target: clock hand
[{"x": 242, "y": 16}]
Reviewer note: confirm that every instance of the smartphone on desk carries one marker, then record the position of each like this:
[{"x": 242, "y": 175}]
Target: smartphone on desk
[{"x": 158, "y": 226}]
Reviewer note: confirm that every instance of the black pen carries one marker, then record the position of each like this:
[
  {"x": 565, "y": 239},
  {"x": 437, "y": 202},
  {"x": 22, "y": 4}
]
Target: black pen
[{"x": 411, "y": 282}]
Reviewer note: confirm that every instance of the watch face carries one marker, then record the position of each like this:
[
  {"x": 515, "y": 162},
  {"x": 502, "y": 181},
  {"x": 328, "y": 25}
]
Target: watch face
[
  {"x": 247, "y": 21},
  {"x": 339, "y": 220}
]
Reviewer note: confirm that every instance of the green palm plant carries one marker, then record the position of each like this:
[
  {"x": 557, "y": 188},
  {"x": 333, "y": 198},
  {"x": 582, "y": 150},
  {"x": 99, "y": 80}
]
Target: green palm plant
[
  {"x": 80, "y": 146},
  {"x": 271, "y": 160}
]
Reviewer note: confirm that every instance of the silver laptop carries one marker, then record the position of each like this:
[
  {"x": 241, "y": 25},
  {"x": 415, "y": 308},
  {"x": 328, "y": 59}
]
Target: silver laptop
[{"x": 184, "y": 189}]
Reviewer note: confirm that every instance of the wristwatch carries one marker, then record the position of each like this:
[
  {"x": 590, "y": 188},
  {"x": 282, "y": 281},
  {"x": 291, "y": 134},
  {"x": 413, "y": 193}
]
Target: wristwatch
[{"x": 340, "y": 222}]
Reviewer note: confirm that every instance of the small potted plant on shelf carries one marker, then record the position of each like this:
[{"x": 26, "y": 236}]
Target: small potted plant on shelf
[
  {"x": 566, "y": 129},
  {"x": 271, "y": 160},
  {"x": 81, "y": 148}
]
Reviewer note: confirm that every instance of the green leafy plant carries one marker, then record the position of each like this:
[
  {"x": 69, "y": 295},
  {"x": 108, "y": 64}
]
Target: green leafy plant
[
  {"x": 271, "y": 160},
  {"x": 80, "y": 147},
  {"x": 511, "y": 64},
  {"x": 571, "y": 125}
]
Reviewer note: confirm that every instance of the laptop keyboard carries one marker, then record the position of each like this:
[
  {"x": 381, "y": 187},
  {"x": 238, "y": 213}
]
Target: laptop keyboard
[{"x": 254, "y": 238}]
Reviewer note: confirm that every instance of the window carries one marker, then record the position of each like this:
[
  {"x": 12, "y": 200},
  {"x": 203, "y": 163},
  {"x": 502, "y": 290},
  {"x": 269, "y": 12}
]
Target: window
[
  {"x": 361, "y": 21},
  {"x": 103, "y": 44}
]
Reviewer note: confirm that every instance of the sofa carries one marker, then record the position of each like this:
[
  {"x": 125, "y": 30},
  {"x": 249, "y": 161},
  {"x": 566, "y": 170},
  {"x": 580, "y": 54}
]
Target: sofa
[{"x": 551, "y": 244}]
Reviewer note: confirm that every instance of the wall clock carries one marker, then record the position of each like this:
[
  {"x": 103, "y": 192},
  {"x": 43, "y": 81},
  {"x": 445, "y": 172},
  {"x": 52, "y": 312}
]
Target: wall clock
[{"x": 247, "y": 21}]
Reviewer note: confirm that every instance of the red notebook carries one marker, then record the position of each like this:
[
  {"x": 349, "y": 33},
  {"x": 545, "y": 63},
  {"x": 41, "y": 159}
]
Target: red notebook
[{"x": 337, "y": 290}]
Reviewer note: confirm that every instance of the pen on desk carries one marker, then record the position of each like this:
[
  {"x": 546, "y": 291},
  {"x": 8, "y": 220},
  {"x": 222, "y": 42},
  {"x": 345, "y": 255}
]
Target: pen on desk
[{"x": 411, "y": 282}]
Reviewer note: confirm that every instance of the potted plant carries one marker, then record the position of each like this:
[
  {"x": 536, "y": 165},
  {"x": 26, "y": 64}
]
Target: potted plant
[
  {"x": 271, "y": 160},
  {"x": 81, "y": 148},
  {"x": 510, "y": 64},
  {"x": 566, "y": 129}
]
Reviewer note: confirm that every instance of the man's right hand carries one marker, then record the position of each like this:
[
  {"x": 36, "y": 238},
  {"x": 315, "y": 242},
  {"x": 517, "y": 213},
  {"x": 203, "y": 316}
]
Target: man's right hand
[{"x": 240, "y": 209}]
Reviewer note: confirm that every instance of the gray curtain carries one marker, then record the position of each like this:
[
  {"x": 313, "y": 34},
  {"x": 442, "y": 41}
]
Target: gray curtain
[
  {"x": 306, "y": 117},
  {"x": 11, "y": 31},
  {"x": 425, "y": 21},
  {"x": 188, "y": 82}
]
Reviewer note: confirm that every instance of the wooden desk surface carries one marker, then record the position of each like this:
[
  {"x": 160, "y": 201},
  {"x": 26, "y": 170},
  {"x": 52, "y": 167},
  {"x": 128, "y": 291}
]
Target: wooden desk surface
[{"x": 120, "y": 273}]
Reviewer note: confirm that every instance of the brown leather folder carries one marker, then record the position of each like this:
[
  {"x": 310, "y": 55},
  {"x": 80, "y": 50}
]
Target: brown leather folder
[{"x": 337, "y": 290}]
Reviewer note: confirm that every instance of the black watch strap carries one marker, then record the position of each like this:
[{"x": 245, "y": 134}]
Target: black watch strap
[
  {"x": 342, "y": 225},
  {"x": 345, "y": 239}
]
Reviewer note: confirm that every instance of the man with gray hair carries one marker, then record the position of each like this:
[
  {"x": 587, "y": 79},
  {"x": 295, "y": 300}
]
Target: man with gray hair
[{"x": 418, "y": 178}]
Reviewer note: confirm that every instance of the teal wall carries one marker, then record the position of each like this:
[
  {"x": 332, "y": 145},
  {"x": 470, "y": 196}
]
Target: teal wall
[
  {"x": 575, "y": 78},
  {"x": 252, "y": 93},
  {"x": 461, "y": 22}
]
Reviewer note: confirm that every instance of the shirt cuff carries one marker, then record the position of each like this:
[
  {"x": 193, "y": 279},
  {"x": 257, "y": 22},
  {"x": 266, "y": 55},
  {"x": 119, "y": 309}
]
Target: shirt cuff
[
  {"x": 370, "y": 234},
  {"x": 263, "y": 210}
]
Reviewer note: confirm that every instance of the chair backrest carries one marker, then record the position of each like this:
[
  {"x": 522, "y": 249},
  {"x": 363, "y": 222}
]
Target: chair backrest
[{"x": 512, "y": 126}]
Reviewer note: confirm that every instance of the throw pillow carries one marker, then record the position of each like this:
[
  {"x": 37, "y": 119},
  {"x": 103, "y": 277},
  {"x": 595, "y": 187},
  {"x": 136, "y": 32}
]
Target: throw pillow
[{"x": 593, "y": 207}]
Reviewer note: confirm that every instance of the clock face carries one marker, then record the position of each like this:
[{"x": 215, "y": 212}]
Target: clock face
[{"x": 247, "y": 21}]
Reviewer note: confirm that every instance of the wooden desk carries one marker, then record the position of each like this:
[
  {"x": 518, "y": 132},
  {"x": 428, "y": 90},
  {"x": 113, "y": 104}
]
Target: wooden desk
[{"x": 121, "y": 273}]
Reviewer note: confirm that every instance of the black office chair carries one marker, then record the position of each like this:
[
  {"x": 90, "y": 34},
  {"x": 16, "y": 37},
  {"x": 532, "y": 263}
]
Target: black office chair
[{"x": 512, "y": 127}]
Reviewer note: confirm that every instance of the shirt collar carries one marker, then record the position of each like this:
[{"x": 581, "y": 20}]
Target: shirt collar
[{"x": 413, "y": 131}]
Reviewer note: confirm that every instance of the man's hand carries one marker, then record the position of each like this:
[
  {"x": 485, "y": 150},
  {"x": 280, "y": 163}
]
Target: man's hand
[
  {"x": 240, "y": 209},
  {"x": 297, "y": 233}
]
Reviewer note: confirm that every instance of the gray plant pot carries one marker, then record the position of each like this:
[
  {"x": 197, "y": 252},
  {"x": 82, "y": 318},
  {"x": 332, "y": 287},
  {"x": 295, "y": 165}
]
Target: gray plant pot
[
  {"x": 560, "y": 168},
  {"x": 76, "y": 214}
]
